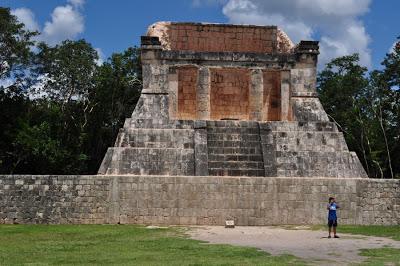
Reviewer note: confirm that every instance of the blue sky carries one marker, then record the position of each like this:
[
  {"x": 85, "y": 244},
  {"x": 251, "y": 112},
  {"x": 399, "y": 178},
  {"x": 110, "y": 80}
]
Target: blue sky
[{"x": 369, "y": 27}]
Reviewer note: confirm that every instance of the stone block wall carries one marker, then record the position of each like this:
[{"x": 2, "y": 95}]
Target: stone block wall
[
  {"x": 256, "y": 200},
  {"x": 272, "y": 96},
  {"x": 218, "y": 37},
  {"x": 196, "y": 200},
  {"x": 310, "y": 149},
  {"x": 229, "y": 97},
  {"x": 187, "y": 85},
  {"x": 53, "y": 199}
]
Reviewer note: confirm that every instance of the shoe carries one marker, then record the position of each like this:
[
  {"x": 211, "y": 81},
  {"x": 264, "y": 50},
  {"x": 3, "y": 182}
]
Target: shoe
[
  {"x": 336, "y": 236},
  {"x": 329, "y": 236}
]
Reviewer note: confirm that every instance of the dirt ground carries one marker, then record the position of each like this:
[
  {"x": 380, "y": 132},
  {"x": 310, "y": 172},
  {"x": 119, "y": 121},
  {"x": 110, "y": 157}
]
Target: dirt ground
[{"x": 312, "y": 246}]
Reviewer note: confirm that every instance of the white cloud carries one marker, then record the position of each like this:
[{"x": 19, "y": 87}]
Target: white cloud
[
  {"x": 100, "y": 54},
  {"x": 77, "y": 3},
  {"x": 199, "y": 3},
  {"x": 336, "y": 23},
  {"x": 7, "y": 82},
  {"x": 26, "y": 16},
  {"x": 66, "y": 23},
  {"x": 391, "y": 49}
]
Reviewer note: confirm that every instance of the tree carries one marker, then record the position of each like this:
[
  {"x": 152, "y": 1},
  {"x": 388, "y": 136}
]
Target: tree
[
  {"x": 15, "y": 60},
  {"x": 15, "y": 46},
  {"x": 385, "y": 103},
  {"x": 118, "y": 85},
  {"x": 68, "y": 70},
  {"x": 341, "y": 86},
  {"x": 366, "y": 108}
]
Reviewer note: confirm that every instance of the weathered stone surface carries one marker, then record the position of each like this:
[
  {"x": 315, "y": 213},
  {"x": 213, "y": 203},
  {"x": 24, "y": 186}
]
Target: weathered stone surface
[
  {"x": 263, "y": 80},
  {"x": 277, "y": 165},
  {"x": 54, "y": 199},
  {"x": 191, "y": 200}
]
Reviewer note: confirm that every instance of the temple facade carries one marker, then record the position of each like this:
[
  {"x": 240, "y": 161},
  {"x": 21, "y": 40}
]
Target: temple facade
[{"x": 229, "y": 100}]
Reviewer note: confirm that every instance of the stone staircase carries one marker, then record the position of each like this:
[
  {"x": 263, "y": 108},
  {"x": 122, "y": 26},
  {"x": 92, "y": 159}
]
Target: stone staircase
[{"x": 234, "y": 148}]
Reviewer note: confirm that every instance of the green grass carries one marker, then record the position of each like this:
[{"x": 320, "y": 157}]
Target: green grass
[
  {"x": 120, "y": 245},
  {"x": 378, "y": 256},
  {"x": 392, "y": 231},
  {"x": 381, "y": 256}
]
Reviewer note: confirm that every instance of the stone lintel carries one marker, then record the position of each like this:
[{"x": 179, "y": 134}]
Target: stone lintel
[{"x": 227, "y": 56}]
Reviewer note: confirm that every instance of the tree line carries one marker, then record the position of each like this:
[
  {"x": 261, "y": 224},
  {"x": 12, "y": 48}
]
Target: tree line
[{"x": 60, "y": 109}]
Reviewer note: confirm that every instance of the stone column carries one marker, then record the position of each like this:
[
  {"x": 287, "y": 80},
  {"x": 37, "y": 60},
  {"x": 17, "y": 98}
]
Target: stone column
[
  {"x": 203, "y": 93},
  {"x": 173, "y": 93},
  {"x": 256, "y": 95},
  {"x": 200, "y": 148},
  {"x": 285, "y": 95}
]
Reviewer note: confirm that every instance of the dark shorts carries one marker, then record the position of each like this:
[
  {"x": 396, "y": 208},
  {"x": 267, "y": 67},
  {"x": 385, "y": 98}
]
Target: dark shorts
[{"x": 332, "y": 223}]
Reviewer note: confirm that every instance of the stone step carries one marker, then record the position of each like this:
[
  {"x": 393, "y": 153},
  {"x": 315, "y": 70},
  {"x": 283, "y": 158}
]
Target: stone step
[
  {"x": 235, "y": 157},
  {"x": 158, "y": 123},
  {"x": 235, "y": 172},
  {"x": 233, "y": 144},
  {"x": 155, "y": 138},
  {"x": 236, "y": 165},
  {"x": 233, "y": 130},
  {"x": 232, "y": 137},
  {"x": 302, "y": 141},
  {"x": 149, "y": 161},
  {"x": 230, "y": 123},
  {"x": 234, "y": 151},
  {"x": 298, "y": 126}
]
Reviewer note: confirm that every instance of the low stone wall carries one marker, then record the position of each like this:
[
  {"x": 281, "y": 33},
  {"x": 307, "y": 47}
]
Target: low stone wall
[
  {"x": 44, "y": 199},
  {"x": 195, "y": 200}
]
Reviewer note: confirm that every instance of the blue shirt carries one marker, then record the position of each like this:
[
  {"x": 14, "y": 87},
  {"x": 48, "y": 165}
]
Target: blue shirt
[{"x": 332, "y": 211}]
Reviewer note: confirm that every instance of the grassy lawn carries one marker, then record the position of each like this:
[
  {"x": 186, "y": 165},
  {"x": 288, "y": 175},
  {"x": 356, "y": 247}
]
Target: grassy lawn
[
  {"x": 372, "y": 230},
  {"x": 392, "y": 231},
  {"x": 120, "y": 245},
  {"x": 379, "y": 256}
]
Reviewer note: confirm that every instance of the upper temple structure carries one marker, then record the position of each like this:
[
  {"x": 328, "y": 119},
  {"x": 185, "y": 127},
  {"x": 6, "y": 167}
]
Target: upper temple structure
[{"x": 229, "y": 100}]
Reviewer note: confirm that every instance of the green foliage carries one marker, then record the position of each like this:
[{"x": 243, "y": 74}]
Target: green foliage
[
  {"x": 63, "y": 124},
  {"x": 13, "y": 106},
  {"x": 365, "y": 106},
  {"x": 118, "y": 85},
  {"x": 15, "y": 44},
  {"x": 392, "y": 231},
  {"x": 69, "y": 69},
  {"x": 121, "y": 245}
]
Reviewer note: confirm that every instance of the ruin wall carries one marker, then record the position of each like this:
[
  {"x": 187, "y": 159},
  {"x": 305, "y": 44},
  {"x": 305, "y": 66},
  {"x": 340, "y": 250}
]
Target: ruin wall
[{"x": 195, "y": 200}]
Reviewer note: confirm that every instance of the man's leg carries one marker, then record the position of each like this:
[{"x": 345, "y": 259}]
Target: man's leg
[
  {"x": 334, "y": 230},
  {"x": 330, "y": 227}
]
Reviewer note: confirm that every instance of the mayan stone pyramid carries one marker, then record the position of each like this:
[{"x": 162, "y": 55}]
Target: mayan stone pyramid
[{"x": 229, "y": 100}]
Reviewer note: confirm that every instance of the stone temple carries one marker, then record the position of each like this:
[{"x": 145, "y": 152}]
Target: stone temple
[
  {"x": 229, "y": 100},
  {"x": 228, "y": 126}
]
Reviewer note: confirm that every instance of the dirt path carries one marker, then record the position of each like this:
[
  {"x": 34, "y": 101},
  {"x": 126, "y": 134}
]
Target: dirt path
[{"x": 309, "y": 245}]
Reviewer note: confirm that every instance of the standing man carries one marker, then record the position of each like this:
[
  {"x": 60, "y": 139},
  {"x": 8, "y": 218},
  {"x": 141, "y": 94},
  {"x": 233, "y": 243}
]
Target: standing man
[{"x": 332, "y": 217}]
